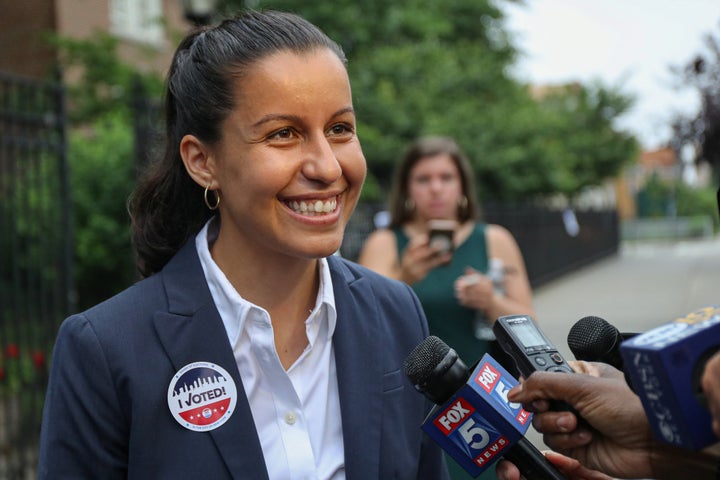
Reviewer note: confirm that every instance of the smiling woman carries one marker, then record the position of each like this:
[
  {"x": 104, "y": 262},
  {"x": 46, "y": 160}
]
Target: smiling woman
[
  {"x": 279, "y": 150},
  {"x": 247, "y": 331}
]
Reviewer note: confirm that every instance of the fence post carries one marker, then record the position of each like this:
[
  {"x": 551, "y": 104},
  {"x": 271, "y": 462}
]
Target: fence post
[
  {"x": 144, "y": 112},
  {"x": 66, "y": 201}
]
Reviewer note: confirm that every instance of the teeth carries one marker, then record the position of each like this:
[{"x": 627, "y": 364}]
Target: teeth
[{"x": 313, "y": 207}]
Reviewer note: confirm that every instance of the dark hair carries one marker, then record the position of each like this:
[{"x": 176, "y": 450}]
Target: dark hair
[
  {"x": 429, "y": 147},
  {"x": 167, "y": 206}
]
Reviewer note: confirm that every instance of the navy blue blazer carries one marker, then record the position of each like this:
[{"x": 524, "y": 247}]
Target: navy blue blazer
[{"x": 106, "y": 413}]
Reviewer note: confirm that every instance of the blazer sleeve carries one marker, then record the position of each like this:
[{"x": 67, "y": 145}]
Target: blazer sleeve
[{"x": 84, "y": 430}]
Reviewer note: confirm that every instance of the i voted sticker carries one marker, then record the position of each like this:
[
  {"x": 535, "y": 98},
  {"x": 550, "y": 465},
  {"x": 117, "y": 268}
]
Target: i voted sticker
[{"x": 202, "y": 396}]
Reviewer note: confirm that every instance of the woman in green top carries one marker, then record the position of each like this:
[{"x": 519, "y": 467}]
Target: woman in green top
[{"x": 434, "y": 181}]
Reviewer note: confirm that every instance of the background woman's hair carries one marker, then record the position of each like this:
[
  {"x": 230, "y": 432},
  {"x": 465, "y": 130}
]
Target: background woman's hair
[
  {"x": 429, "y": 147},
  {"x": 167, "y": 206}
]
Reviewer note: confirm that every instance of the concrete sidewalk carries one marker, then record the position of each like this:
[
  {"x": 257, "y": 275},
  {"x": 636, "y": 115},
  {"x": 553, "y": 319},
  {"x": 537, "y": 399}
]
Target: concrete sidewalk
[{"x": 645, "y": 285}]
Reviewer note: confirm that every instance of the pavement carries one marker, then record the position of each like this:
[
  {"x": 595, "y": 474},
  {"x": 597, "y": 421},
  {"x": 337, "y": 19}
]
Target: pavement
[{"x": 643, "y": 286}]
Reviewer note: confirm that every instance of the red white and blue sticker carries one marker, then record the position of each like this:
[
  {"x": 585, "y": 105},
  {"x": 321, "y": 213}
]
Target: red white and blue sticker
[{"x": 202, "y": 396}]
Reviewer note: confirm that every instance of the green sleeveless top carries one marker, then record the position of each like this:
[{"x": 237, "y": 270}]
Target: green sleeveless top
[{"x": 449, "y": 320}]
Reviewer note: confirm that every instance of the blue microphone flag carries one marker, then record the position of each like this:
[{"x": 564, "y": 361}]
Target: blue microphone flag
[
  {"x": 665, "y": 365},
  {"x": 478, "y": 424}
]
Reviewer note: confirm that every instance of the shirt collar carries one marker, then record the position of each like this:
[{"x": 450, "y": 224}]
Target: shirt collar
[{"x": 234, "y": 309}]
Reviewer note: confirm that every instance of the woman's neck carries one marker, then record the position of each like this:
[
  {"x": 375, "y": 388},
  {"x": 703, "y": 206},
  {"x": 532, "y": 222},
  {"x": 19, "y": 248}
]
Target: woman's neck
[
  {"x": 287, "y": 288},
  {"x": 268, "y": 280}
]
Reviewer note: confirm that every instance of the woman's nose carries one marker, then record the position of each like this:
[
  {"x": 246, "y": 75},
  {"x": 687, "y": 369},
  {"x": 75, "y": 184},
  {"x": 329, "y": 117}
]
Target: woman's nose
[{"x": 321, "y": 162}]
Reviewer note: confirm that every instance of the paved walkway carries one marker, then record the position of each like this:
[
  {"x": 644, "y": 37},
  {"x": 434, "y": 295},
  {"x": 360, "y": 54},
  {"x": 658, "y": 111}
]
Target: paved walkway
[{"x": 645, "y": 285}]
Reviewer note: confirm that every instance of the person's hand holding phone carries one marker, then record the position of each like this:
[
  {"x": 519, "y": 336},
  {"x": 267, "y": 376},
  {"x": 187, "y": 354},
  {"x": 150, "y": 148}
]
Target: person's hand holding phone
[
  {"x": 442, "y": 235},
  {"x": 427, "y": 251}
]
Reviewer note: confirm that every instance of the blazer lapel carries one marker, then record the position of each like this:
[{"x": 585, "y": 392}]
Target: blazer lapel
[
  {"x": 192, "y": 331},
  {"x": 357, "y": 357}
]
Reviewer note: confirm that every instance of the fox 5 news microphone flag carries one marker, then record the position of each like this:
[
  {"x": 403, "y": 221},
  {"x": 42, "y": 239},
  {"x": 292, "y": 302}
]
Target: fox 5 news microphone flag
[{"x": 478, "y": 424}]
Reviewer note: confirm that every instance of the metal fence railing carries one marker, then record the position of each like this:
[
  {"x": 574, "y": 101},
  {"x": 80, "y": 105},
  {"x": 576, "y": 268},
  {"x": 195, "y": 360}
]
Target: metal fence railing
[
  {"x": 550, "y": 244},
  {"x": 557, "y": 241},
  {"x": 35, "y": 258}
]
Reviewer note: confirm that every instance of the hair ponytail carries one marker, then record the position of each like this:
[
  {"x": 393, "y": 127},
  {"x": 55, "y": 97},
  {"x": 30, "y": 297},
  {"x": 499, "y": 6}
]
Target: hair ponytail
[{"x": 167, "y": 206}]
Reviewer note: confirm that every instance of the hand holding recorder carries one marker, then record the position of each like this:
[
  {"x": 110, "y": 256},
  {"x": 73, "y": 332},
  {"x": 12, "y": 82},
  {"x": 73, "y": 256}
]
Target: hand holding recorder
[
  {"x": 614, "y": 437},
  {"x": 621, "y": 443}
]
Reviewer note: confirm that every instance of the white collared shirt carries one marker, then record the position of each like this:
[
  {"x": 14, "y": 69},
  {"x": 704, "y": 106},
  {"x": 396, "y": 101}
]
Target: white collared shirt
[{"x": 296, "y": 412}]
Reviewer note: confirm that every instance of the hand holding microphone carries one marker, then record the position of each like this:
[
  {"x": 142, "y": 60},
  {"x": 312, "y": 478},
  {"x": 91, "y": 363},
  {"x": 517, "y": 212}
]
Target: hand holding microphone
[
  {"x": 473, "y": 420},
  {"x": 621, "y": 443},
  {"x": 711, "y": 386},
  {"x": 565, "y": 427},
  {"x": 535, "y": 355},
  {"x": 664, "y": 365},
  {"x": 569, "y": 467}
]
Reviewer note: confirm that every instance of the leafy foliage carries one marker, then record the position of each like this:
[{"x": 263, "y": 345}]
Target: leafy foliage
[
  {"x": 20, "y": 368},
  {"x": 105, "y": 83},
  {"x": 662, "y": 198},
  {"x": 102, "y": 179},
  {"x": 696, "y": 201},
  {"x": 102, "y": 163}
]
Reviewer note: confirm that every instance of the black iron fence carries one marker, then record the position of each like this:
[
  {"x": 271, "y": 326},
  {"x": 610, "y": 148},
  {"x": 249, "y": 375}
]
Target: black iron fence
[
  {"x": 553, "y": 242},
  {"x": 36, "y": 260},
  {"x": 147, "y": 120},
  {"x": 557, "y": 241}
]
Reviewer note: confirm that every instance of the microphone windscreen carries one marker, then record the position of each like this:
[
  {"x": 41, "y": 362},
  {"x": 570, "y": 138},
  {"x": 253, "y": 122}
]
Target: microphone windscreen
[
  {"x": 421, "y": 362},
  {"x": 591, "y": 338}
]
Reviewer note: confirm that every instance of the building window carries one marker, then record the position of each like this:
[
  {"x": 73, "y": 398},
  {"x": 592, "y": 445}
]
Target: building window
[{"x": 139, "y": 20}]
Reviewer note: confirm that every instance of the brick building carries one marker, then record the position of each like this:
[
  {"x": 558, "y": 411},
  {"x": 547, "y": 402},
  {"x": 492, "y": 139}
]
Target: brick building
[{"x": 148, "y": 29}]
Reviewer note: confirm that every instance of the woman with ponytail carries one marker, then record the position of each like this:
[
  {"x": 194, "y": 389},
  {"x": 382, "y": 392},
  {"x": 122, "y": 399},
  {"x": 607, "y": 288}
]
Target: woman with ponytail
[{"x": 248, "y": 351}]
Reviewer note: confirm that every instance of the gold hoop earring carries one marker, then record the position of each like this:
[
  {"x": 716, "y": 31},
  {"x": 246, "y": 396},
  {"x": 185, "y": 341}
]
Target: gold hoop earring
[
  {"x": 462, "y": 206},
  {"x": 409, "y": 205},
  {"x": 217, "y": 198}
]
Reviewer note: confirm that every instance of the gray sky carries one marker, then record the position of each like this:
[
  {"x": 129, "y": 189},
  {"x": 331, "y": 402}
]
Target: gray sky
[{"x": 625, "y": 43}]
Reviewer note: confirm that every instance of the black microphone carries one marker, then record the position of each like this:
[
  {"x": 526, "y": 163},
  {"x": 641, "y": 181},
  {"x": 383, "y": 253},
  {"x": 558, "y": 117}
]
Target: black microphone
[
  {"x": 473, "y": 421},
  {"x": 663, "y": 366},
  {"x": 595, "y": 340}
]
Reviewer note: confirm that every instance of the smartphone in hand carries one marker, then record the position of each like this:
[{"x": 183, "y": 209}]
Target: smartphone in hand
[{"x": 441, "y": 235}]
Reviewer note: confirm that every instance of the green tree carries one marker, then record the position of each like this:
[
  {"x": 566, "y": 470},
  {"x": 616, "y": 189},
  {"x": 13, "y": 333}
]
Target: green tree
[
  {"x": 569, "y": 141},
  {"x": 102, "y": 163},
  {"x": 102, "y": 178},
  {"x": 104, "y": 82}
]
